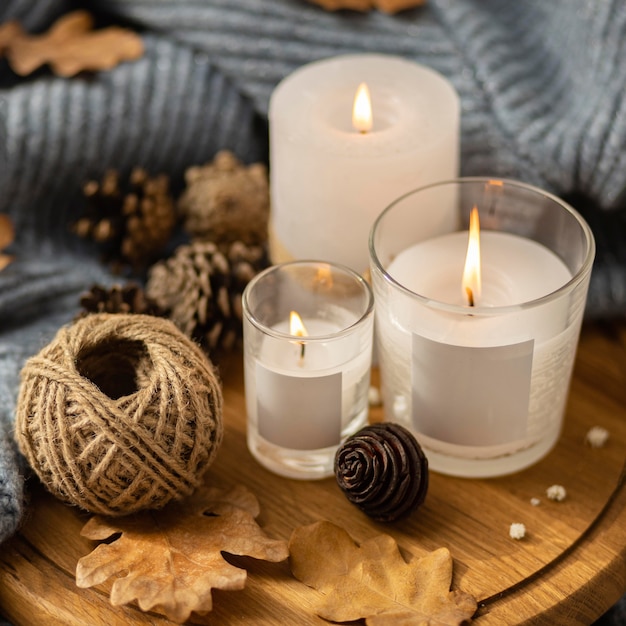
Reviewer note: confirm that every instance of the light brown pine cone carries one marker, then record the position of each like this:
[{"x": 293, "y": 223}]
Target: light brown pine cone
[
  {"x": 226, "y": 201},
  {"x": 200, "y": 288}
]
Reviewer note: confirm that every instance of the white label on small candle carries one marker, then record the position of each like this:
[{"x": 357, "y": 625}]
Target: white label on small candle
[
  {"x": 308, "y": 413},
  {"x": 471, "y": 396}
]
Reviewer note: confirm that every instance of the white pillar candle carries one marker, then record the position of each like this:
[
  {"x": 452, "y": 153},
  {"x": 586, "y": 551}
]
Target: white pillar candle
[
  {"x": 305, "y": 394},
  {"x": 484, "y": 387},
  {"x": 329, "y": 180}
]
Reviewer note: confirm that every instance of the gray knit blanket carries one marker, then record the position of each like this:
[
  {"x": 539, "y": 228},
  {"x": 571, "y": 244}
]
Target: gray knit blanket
[{"x": 541, "y": 85}]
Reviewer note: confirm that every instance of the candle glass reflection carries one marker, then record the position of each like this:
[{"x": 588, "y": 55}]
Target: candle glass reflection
[
  {"x": 306, "y": 389},
  {"x": 483, "y": 387}
]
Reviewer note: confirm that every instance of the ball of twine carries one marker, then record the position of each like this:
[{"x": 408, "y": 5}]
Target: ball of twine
[{"x": 119, "y": 413}]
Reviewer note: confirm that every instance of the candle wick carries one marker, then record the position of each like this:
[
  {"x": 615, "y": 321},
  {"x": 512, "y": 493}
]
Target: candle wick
[
  {"x": 302, "y": 350},
  {"x": 470, "y": 295}
]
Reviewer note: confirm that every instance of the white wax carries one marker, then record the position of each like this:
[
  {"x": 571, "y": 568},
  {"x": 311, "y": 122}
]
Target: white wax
[
  {"x": 328, "y": 181},
  {"x": 284, "y": 353},
  {"x": 514, "y": 269},
  {"x": 305, "y": 401}
]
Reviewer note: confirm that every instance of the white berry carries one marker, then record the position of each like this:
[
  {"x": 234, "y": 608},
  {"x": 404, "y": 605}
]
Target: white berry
[
  {"x": 597, "y": 436},
  {"x": 556, "y": 492},
  {"x": 517, "y": 530}
]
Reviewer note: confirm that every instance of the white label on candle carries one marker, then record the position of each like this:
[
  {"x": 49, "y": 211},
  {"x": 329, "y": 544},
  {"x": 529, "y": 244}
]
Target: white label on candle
[
  {"x": 307, "y": 415},
  {"x": 471, "y": 396}
]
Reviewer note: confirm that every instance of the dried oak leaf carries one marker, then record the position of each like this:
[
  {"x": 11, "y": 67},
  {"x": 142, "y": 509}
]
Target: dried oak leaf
[
  {"x": 69, "y": 46},
  {"x": 168, "y": 561},
  {"x": 9, "y": 31},
  {"x": 386, "y": 6},
  {"x": 373, "y": 580},
  {"x": 7, "y": 234}
]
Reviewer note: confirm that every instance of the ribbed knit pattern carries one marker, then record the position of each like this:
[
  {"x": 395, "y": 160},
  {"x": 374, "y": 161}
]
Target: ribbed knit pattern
[
  {"x": 168, "y": 110},
  {"x": 541, "y": 86}
]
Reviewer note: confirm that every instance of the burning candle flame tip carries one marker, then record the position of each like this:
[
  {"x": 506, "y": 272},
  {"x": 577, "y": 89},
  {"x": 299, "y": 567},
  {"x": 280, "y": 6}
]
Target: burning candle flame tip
[
  {"x": 362, "y": 118},
  {"x": 298, "y": 329},
  {"x": 472, "y": 271}
]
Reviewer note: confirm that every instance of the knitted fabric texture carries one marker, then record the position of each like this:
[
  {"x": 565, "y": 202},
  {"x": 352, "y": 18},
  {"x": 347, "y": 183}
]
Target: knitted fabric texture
[
  {"x": 541, "y": 87},
  {"x": 119, "y": 413},
  {"x": 540, "y": 84}
]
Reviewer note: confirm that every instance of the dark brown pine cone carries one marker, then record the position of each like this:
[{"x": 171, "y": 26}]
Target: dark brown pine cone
[
  {"x": 383, "y": 471},
  {"x": 132, "y": 222},
  {"x": 129, "y": 298},
  {"x": 200, "y": 289}
]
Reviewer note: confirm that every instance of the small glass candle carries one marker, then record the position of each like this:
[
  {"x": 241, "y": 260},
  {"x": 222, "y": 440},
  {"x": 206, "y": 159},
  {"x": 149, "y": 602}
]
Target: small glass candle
[
  {"x": 479, "y": 371},
  {"x": 308, "y": 330}
]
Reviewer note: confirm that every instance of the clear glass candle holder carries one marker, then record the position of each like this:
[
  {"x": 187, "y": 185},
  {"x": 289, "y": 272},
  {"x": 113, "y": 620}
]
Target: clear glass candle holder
[
  {"x": 480, "y": 374},
  {"x": 306, "y": 384}
]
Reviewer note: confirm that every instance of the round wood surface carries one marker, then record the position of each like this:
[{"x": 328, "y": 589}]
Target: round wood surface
[{"x": 570, "y": 568}]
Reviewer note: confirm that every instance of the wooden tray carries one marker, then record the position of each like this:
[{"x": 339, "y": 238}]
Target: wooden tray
[{"x": 570, "y": 568}]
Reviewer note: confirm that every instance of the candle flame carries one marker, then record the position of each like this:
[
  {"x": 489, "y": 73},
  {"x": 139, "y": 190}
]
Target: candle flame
[
  {"x": 471, "y": 273},
  {"x": 296, "y": 326},
  {"x": 298, "y": 329},
  {"x": 362, "y": 110}
]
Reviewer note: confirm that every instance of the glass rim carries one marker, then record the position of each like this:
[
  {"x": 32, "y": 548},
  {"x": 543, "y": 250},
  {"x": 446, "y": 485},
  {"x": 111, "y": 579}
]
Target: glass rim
[
  {"x": 277, "y": 334},
  {"x": 488, "y": 311}
]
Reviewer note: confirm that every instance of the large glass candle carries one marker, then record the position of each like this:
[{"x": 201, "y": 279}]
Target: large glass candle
[
  {"x": 333, "y": 171},
  {"x": 307, "y": 355},
  {"x": 480, "y": 372}
]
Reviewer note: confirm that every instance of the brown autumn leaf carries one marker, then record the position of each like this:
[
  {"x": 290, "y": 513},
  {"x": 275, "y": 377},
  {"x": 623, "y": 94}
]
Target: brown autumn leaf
[
  {"x": 386, "y": 6},
  {"x": 9, "y": 31},
  {"x": 168, "y": 561},
  {"x": 69, "y": 46},
  {"x": 373, "y": 580},
  {"x": 7, "y": 235}
]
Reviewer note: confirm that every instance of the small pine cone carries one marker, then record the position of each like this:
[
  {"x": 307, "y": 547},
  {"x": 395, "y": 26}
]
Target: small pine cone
[
  {"x": 129, "y": 298},
  {"x": 102, "y": 222},
  {"x": 133, "y": 223},
  {"x": 200, "y": 287},
  {"x": 383, "y": 471},
  {"x": 226, "y": 201}
]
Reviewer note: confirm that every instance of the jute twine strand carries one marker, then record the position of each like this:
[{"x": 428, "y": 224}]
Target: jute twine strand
[{"x": 119, "y": 413}]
